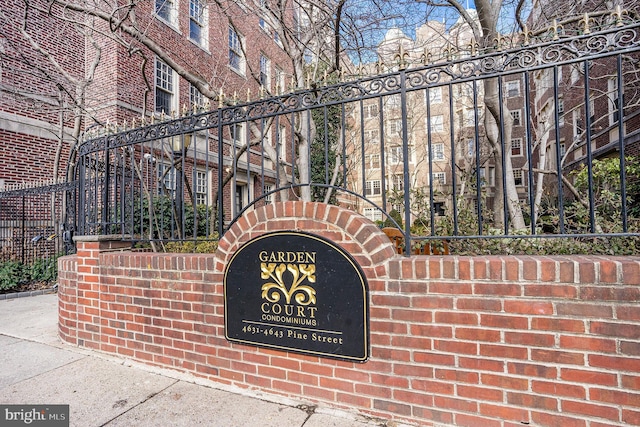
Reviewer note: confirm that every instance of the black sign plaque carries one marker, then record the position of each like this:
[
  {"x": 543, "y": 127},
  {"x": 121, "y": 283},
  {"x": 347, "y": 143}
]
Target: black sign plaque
[{"x": 298, "y": 292}]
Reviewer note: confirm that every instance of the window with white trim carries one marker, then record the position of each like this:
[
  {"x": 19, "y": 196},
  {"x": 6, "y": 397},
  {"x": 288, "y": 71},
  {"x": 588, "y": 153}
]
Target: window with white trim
[
  {"x": 513, "y": 88},
  {"x": 263, "y": 23},
  {"x": 439, "y": 178},
  {"x": 395, "y": 127},
  {"x": 282, "y": 143},
  {"x": 197, "y": 100},
  {"x": 237, "y": 133},
  {"x": 201, "y": 187},
  {"x": 437, "y": 151},
  {"x": 435, "y": 95},
  {"x": 268, "y": 199},
  {"x": 372, "y": 136},
  {"x": 166, "y": 179},
  {"x": 236, "y": 57},
  {"x": 398, "y": 182},
  {"x": 373, "y": 188},
  {"x": 198, "y": 31},
  {"x": 393, "y": 101},
  {"x": 517, "y": 177},
  {"x": 468, "y": 117},
  {"x": 491, "y": 176},
  {"x": 516, "y": 116},
  {"x": 373, "y": 214},
  {"x": 374, "y": 161},
  {"x": 516, "y": 147},
  {"x": 395, "y": 154},
  {"x": 370, "y": 111},
  {"x": 165, "y": 88},
  {"x": 436, "y": 123},
  {"x": 241, "y": 197},
  {"x": 612, "y": 98},
  {"x": 280, "y": 81},
  {"x": 265, "y": 72},
  {"x": 166, "y": 9},
  {"x": 471, "y": 148}
]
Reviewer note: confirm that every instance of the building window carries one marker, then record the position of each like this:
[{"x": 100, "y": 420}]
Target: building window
[
  {"x": 166, "y": 179},
  {"x": 612, "y": 105},
  {"x": 265, "y": 72},
  {"x": 515, "y": 115},
  {"x": 373, "y": 214},
  {"x": 471, "y": 148},
  {"x": 371, "y": 136},
  {"x": 197, "y": 100},
  {"x": 561, "y": 112},
  {"x": 516, "y": 147},
  {"x": 165, "y": 88},
  {"x": 374, "y": 161},
  {"x": 197, "y": 22},
  {"x": 282, "y": 143},
  {"x": 563, "y": 149},
  {"x": 166, "y": 9},
  {"x": 439, "y": 178},
  {"x": 268, "y": 199},
  {"x": 491, "y": 178},
  {"x": 201, "y": 188},
  {"x": 436, "y": 123},
  {"x": 435, "y": 95},
  {"x": 370, "y": 111},
  {"x": 395, "y": 127},
  {"x": 513, "y": 88},
  {"x": 469, "y": 117},
  {"x": 438, "y": 208},
  {"x": 395, "y": 154},
  {"x": 263, "y": 11},
  {"x": 237, "y": 133},
  {"x": 578, "y": 124},
  {"x": 372, "y": 188},
  {"x": 236, "y": 58},
  {"x": 280, "y": 83},
  {"x": 240, "y": 197},
  {"x": 517, "y": 177},
  {"x": 393, "y": 101},
  {"x": 398, "y": 182},
  {"x": 437, "y": 151}
]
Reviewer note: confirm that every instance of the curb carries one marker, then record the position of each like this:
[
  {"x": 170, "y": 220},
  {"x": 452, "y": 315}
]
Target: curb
[{"x": 15, "y": 295}]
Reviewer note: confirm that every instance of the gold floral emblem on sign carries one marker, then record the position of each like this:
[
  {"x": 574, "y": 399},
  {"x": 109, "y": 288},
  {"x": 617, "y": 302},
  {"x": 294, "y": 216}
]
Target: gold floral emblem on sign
[{"x": 273, "y": 291}]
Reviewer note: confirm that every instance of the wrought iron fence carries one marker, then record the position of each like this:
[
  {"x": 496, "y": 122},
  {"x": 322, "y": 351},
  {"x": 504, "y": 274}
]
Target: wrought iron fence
[
  {"x": 539, "y": 139},
  {"x": 32, "y": 223}
]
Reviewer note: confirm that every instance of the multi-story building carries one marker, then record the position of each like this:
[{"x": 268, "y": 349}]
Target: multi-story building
[
  {"x": 444, "y": 127},
  {"x": 57, "y": 81}
]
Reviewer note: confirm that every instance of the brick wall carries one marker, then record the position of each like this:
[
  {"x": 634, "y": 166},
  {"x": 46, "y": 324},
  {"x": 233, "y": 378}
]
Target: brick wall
[{"x": 485, "y": 341}]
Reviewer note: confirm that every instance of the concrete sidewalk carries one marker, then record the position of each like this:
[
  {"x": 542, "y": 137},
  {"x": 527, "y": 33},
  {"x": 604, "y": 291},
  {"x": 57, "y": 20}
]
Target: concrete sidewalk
[{"x": 102, "y": 390}]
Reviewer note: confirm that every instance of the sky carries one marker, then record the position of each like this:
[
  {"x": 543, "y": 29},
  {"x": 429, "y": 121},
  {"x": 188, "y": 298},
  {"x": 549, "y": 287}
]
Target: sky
[{"x": 406, "y": 15}]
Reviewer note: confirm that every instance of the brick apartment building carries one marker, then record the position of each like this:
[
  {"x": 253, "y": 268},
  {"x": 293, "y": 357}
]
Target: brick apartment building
[{"x": 57, "y": 80}]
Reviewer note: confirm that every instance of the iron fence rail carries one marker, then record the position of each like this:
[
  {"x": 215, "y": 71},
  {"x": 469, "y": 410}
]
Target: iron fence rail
[
  {"x": 32, "y": 223},
  {"x": 499, "y": 145}
]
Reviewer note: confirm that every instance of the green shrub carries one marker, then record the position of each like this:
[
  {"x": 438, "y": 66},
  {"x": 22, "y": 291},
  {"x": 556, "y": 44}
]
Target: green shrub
[
  {"x": 15, "y": 273},
  {"x": 12, "y": 274},
  {"x": 44, "y": 270}
]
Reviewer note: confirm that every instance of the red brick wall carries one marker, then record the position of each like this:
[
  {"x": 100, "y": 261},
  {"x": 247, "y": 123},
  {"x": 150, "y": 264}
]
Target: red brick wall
[{"x": 486, "y": 341}]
